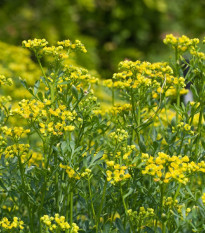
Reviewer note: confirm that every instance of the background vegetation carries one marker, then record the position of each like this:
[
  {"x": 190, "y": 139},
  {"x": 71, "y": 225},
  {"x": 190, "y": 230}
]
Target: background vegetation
[{"x": 111, "y": 30}]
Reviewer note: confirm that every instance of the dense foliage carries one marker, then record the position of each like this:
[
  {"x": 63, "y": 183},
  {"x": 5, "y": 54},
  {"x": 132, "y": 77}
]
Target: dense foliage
[{"x": 70, "y": 165}]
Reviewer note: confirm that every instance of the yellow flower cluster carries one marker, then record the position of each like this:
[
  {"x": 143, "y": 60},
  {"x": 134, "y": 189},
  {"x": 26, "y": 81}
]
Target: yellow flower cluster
[
  {"x": 34, "y": 44},
  {"x": 170, "y": 202},
  {"x": 142, "y": 212},
  {"x": 141, "y": 217},
  {"x": 5, "y": 81},
  {"x": 157, "y": 77},
  {"x": 58, "y": 52},
  {"x": 77, "y": 45},
  {"x": 31, "y": 109},
  {"x": 197, "y": 54},
  {"x": 183, "y": 127},
  {"x": 70, "y": 171},
  {"x": 119, "y": 108},
  {"x": 119, "y": 136},
  {"x": 86, "y": 173},
  {"x": 116, "y": 172},
  {"x": 15, "y": 150},
  {"x": 33, "y": 158},
  {"x": 58, "y": 223},
  {"x": 6, "y": 224},
  {"x": 16, "y": 133},
  {"x": 37, "y": 111},
  {"x": 77, "y": 76},
  {"x": 165, "y": 168},
  {"x": 55, "y": 129},
  {"x": 182, "y": 44},
  {"x": 123, "y": 153}
]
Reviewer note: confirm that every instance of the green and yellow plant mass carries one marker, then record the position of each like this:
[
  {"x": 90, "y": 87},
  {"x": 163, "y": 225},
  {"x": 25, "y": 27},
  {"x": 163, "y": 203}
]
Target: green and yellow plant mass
[{"x": 71, "y": 163}]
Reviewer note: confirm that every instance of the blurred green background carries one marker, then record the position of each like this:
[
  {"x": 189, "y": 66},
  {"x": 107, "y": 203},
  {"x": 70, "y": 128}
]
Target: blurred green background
[{"x": 112, "y": 30}]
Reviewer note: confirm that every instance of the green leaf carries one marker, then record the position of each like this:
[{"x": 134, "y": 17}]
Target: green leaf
[
  {"x": 74, "y": 91},
  {"x": 142, "y": 145},
  {"x": 149, "y": 230},
  {"x": 129, "y": 192},
  {"x": 96, "y": 157},
  {"x": 24, "y": 83},
  {"x": 40, "y": 96},
  {"x": 194, "y": 91},
  {"x": 36, "y": 86},
  {"x": 2, "y": 185},
  {"x": 119, "y": 225}
]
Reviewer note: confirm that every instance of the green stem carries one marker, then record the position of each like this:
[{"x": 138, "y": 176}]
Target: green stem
[
  {"x": 67, "y": 204},
  {"x": 56, "y": 182},
  {"x": 199, "y": 131},
  {"x": 125, "y": 207},
  {"x": 71, "y": 208},
  {"x": 161, "y": 206},
  {"x": 25, "y": 190},
  {"x": 91, "y": 201},
  {"x": 39, "y": 62},
  {"x": 177, "y": 192},
  {"x": 133, "y": 109},
  {"x": 47, "y": 159},
  {"x": 101, "y": 205},
  {"x": 178, "y": 105},
  {"x": 113, "y": 97}
]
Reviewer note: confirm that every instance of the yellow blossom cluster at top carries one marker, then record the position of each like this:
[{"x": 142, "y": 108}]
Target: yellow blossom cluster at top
[
  {"x": 77, "y": 76},
  {"x": 58, "y": 223},
  {"x": 77, "y": 45},
  {"x": 157, "y": 77},
  {"x": 166, "y": 168},
  {"x": 36, "y": 43},
  {"x": 182, "y": 43},
  {"x": 60, "y": 51},
  {"x": 15, "y": 224}
]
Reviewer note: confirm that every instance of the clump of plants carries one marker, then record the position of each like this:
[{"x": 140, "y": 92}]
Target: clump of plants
[{"x": 73, "y": 166}]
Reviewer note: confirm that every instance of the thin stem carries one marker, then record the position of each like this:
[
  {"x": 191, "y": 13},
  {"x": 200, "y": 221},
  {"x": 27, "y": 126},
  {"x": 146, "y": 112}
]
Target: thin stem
[
  {"x": 161, "y": 207},
  {"x": 25, "y": 190},
  {"x": 113, "y": 97},
  {"x": 199, "y": 132},
  {"x": 125, "y": 207},
  {"x": 39, "y": 62},
  {"x": 101, "y": 205},
  {"x": 71, "y": 208},
  {"x": 91, "y": 201},
  {"x": 178, "y": 105}
]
